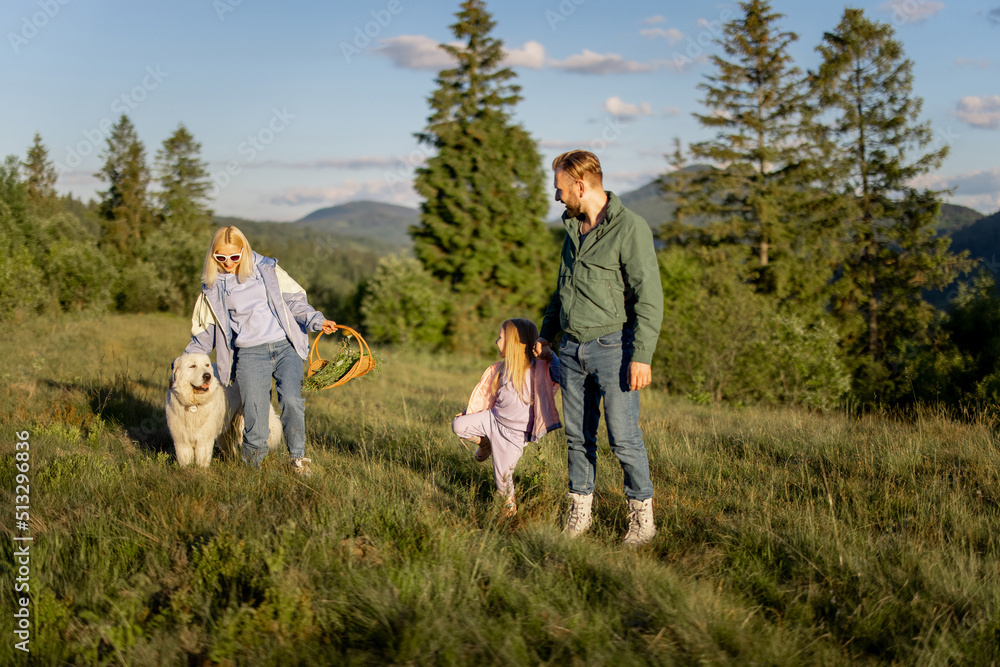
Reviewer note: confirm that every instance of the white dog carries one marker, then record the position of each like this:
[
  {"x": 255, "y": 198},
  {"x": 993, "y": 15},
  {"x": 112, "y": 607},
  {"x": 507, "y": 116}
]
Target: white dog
[{"x": 200, "y": 409}]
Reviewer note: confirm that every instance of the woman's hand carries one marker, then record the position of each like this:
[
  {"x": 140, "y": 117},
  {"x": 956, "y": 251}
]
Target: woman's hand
[{"x": 329, "y": 326}]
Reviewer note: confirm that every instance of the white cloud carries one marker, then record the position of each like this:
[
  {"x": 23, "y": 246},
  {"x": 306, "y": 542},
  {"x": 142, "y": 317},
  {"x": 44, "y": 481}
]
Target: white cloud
[
  {"x": 350, "y": 190},
  {"x": 589, "y": 62},
  {"x": 979, "y": 63},
  {"x": 911, "y": 11},
  {"x": 415, "y": 52},
  {"x": 673, "y": 35},
  {"x": 531, "y": 55},
  {"x": 620, "y": 109},
  {"x": 671, "y": 112},
  {"x": 77, "y": 177},
  {"x": 981, "y": 112},
  {"x": 977, "y": 189},
  {"x": 423, "y": 53},
  {"x": 346, "y": 163},
  {"x": 652, "y": 20},
  {"x": 986, "y": 182}
]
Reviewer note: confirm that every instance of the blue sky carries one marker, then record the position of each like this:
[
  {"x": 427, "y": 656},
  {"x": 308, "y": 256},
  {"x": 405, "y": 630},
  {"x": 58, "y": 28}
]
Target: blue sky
[{"x": 305, "y": 104}]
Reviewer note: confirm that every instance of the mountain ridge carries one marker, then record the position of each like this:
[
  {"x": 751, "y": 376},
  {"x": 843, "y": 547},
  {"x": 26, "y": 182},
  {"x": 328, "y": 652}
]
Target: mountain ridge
[{"x": 387, "y": 225}]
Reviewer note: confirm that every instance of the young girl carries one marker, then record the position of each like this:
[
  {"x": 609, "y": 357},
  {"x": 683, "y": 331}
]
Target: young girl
[
  {"x": 513, "y": 404},
  {"x": 256, "y": 318}
]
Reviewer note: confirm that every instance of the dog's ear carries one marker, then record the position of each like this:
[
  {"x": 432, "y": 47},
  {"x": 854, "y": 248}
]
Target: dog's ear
[{"x": 173, "y": 372}]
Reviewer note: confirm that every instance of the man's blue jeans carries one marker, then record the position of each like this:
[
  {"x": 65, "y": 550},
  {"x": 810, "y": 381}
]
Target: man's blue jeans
[
  {"x": 255, "y": 366},
  {"x": 590, "y": 371}
]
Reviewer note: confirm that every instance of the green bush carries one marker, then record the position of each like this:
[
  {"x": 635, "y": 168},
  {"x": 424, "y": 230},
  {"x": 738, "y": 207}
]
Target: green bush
[
  {"x": 22, "y": 288},
  {"x": 80, "y": 276},
  {"x": 403, "y": 304},
  {"x": 722, "y": 340}
]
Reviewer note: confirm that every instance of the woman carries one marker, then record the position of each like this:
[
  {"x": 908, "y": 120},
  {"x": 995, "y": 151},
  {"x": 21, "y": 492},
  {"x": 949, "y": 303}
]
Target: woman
[{"x": 256, "y": 318}]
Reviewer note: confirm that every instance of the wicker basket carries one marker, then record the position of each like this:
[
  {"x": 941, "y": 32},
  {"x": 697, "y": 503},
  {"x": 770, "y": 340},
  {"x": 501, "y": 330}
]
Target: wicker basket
[{"x": 362, "y": 366}]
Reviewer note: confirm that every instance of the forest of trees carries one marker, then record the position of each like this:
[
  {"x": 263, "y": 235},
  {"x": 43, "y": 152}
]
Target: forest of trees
[{"x": 796, "y": 267}]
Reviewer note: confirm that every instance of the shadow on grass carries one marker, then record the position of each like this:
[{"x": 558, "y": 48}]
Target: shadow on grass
[
  {"x": 125, "y": 402},
  {"x": 453, "y": 470}
]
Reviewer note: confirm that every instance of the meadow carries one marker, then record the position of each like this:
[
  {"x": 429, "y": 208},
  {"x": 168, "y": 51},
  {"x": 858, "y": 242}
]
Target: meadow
[{"x": 786, "y": 537}]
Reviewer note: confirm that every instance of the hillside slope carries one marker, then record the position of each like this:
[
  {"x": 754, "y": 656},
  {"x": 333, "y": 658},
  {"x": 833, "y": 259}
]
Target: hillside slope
[{"x": 386, "y": 222}]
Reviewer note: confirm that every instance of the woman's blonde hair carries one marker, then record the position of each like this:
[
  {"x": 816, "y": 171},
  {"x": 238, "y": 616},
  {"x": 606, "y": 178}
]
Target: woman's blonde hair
[
  {"x": 520, "y": 336},
  {"x": 228, "y": 236}
]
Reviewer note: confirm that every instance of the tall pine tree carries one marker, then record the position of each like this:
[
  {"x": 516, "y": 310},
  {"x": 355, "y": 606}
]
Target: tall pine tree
[
  {"x": 894, "y": 252},
  {"x": 40, "y": 178},
  {"x": 482, "y": 226},
  {"x": 184, "y": 182},
  {"x": 757, "y": 103},
  {"x": 124, "y": 206},
  {"x": 677, "y": 187},
  {"x": 176, "y": 249}
]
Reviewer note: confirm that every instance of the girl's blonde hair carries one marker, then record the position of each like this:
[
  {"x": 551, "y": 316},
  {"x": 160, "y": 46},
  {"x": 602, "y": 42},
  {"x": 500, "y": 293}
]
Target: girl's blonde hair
[
  {"x": 520, "y": 336},
  {"x": 228, "y": 236}
]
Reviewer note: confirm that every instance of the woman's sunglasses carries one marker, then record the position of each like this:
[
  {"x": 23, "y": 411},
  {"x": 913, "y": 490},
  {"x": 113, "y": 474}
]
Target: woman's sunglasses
[{"x": 232, "y": 258}]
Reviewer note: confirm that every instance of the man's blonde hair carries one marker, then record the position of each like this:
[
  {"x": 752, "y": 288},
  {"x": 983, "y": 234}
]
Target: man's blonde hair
[
  {"x": 580, "y": 166},
  {"x": 228, "y": 236}
]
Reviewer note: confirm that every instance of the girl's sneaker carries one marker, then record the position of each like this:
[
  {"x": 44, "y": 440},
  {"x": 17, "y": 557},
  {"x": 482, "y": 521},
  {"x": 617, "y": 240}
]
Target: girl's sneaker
[
  {"x": 509, "y": 508},
  {"x": 484, "y": 450}
]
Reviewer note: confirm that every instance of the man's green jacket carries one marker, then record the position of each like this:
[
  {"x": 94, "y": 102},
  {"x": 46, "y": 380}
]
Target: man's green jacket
[{"x": 608, "y": 282}]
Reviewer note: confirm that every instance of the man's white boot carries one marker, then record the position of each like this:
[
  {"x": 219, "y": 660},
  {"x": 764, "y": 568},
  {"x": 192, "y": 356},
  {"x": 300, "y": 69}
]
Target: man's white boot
[
  {"x": 580, "y": 515},
  {"x": 641, "y": 528}
]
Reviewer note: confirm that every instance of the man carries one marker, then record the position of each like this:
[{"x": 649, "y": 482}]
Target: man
[{"x": 609, "y": 305}]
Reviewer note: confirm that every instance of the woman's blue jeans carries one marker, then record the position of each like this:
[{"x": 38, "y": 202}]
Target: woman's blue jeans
[
  {"x": 590, "y": 371},
  {"x": 255, "y": 366}
]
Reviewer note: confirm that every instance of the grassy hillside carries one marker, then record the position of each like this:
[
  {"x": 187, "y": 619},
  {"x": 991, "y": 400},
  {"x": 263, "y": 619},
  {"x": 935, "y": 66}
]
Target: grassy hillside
[{"x": 786, "y": 537}]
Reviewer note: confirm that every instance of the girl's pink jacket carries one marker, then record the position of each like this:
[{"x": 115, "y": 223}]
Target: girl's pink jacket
[{"x": 543, "y": 390}]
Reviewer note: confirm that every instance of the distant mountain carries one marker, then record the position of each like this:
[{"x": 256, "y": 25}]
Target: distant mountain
[
  {"x": 981, "y": 239},
  {"x": 385, "y": 222},
  {"x": 955, "y": 217},
  {"x": 382, "y": 228},
  {"x": 650, "y": 202},
  {"x": 283, "y": 238}
]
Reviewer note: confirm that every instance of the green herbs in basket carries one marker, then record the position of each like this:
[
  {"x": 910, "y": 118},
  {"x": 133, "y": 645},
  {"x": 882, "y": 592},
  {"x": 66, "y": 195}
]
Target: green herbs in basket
[{"x": 334, "y": 369}]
